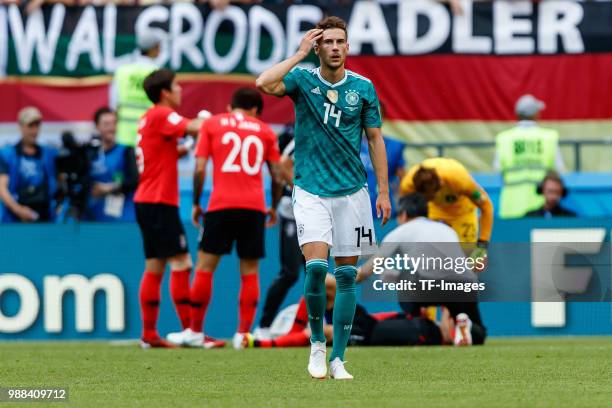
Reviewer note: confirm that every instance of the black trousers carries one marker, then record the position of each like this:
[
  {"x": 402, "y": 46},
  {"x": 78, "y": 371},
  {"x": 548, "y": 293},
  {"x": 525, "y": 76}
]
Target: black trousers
[
  {"x": 292, "y": 261},
  {"x": 479, "y": 331}
]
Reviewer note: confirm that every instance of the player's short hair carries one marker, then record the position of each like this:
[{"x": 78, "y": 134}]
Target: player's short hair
[
  {"x": 101, "y": 111},
  {"x": 247, "y": 99},
  {"x": 426, "y": 179},
  {"x": 157, "y": 81},
  {"x": 413, "y": 205},
  {"x": 332, "y": 22}
]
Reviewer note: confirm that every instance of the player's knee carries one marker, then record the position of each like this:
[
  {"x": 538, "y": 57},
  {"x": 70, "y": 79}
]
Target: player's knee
[
  {"x": 315, "y": 274},
  {"x": 181, "y": 262},
  {"x": 345, "y": 276}
]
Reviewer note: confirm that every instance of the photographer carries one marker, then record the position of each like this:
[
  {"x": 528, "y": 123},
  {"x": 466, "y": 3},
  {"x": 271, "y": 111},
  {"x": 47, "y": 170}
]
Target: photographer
[
  {"x": 114, "y": 174},
  {"x": 27, "y": 174}
]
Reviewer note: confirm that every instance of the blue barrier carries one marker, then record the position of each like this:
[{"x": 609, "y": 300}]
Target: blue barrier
[
  {"x": 590, "y": 193},
  {"x": 51, "y": 257}
]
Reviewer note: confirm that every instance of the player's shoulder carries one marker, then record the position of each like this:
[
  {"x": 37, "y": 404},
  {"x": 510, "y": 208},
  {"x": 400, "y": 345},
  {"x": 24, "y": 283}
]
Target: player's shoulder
[
  {"x": 358, "y": 79},
  {"x": 267, "y": 130},
  {"x": 217, "y": 119},
  {"x": 454, "y": 165},
  {"x": 435, "y": 231},
  {"x": 449, "y": 168},
  {"x": 442, "y": 162},
  {"x": 441, "y": 231},
  {"x": 157, "y": 111},
  {"x": 264, "y": 128},
  {"x": 304, "y": 70}
]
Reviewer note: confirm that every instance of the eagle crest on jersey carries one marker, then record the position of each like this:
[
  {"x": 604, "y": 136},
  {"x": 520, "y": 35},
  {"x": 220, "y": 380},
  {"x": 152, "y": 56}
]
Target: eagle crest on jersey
[{"x": 328, "y": 130}]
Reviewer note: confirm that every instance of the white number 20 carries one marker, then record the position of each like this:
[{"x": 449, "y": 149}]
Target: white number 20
[
  {"x": 242, "y": 148},
  {"x": 331, "y": 112}
]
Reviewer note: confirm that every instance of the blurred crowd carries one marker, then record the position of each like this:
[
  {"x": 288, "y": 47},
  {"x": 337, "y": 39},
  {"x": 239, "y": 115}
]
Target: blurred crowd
[{"x": 94, "y": 181}]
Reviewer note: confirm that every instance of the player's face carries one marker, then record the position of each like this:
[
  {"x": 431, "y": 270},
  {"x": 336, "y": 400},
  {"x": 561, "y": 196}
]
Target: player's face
[
  {"x": 332, "y": 48},
  {"x": 175, "y": 94},
  {"x": 107, "y": 126}
]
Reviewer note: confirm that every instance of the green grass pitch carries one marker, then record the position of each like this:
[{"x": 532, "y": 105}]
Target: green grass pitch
[{"x": 543, "y": 372}]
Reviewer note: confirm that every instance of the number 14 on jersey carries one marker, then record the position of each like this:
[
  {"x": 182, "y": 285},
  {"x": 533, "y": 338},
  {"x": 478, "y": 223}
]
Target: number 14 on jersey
[{"x": 331, "y": 112}]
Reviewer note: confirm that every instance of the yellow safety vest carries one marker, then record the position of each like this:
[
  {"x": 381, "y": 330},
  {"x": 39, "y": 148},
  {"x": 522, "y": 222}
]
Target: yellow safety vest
[
  {"x": 525, "y": 155},
  {"x": 132, "y": 101}
]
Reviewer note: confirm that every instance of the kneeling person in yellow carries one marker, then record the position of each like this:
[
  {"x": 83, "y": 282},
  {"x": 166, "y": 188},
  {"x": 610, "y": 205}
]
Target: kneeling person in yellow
[{"x": 454, "y": 198}]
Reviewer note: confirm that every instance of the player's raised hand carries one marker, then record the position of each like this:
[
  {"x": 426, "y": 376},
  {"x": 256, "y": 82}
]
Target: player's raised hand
[
  {"x": 383, "y": 207},
  {"x": 197, "y": 216},
  {"x": 308, "y": 41}
]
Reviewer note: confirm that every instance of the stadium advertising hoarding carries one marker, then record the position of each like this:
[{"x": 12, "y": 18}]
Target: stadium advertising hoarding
[
  {"x": 83, "y": 282},
  {"x": 62, "y": 41}
]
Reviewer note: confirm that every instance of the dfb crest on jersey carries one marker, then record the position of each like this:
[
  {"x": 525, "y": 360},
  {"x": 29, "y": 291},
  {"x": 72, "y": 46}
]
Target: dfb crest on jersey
[
  {"x": 332, "y": 95},
  {"x": 352, "y": 98}
]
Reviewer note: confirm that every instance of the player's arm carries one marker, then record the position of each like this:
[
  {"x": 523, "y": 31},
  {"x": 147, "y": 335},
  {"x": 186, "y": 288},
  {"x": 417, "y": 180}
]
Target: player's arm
[
  {"x": 272, "y": 159},
  {"x": 271, "y": 80},
  {"x": 199, "y": 176},
  {"x": 277, "y": 190},
  {"x": 202, "y": 153},
  {"x": 481, "y": 199},
  {"x": 286, "y": 163},
  {"x": 286, "y": 169},
  {"x": 193, "y": 127},
  {"x": 378, "y": 155}
]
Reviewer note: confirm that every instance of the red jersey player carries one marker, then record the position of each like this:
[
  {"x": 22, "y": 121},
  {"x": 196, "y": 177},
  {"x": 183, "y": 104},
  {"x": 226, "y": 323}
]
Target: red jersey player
[
  {"x": 157, "y": 199},
  {"x": 238, "y": 144}
]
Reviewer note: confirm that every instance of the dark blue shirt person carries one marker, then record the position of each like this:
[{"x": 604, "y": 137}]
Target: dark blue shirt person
[
  {"x": 27, "y": 174},
  {"x": 114, "y": 174}
]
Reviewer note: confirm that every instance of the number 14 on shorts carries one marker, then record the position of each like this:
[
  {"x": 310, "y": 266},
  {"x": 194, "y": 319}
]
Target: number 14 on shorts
[{"x": 363, "y": 233}]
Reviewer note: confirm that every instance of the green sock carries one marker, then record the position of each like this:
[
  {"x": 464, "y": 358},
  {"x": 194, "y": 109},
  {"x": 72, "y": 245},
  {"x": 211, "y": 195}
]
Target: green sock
[
  {"x": 344, "y": 308},
  {"x": 314, "y": 292}
]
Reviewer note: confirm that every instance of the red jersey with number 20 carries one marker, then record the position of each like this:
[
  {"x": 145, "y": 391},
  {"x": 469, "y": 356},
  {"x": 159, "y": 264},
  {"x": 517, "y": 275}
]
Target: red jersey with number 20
[
  {"x": 157, "y": 156},
  {"x": 239, "y": 145}
]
